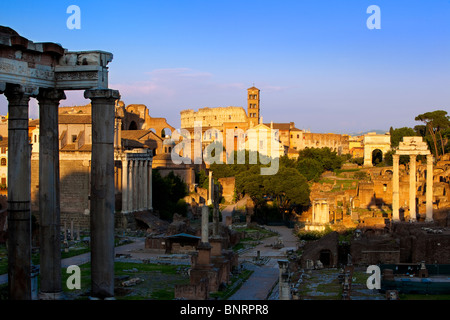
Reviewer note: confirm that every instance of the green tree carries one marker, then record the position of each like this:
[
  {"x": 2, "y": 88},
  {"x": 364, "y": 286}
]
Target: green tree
[
  {"x": 311, "y": 169},
  {"x": 436, "y": 122},
  {"x": 398, "y": 134},
  {"x": 329, "y": 159},
  {"x": 251, "y": 183},
  {"x": 289, "y": 188},
  {"x": 168, "y": 194}
]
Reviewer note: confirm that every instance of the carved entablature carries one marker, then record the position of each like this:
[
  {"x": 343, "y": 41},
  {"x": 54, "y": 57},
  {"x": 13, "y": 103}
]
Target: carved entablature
[
  {"x": 48, "y": 65},
  {"x": 83, "y": 70},
  {"x": 412, "y": 146},
  {"x": 138, "y": 154}
]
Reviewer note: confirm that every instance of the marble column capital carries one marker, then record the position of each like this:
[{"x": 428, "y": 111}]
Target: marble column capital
[
  {"x": 19, "y": 95},
  {"x": 50, "y": 96},
  {"x": 100, "y": 94}
]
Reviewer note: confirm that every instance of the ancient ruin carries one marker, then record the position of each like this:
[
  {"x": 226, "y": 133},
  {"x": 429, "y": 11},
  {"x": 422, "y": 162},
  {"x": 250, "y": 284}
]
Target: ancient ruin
[
  {"x": 413, "y": 146},
  {"x": 44, "y": 71}
]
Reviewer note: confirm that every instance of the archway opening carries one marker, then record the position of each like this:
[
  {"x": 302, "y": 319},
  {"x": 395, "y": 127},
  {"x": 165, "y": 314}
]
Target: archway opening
[
  {"x": 325, "y": 258},
  {"x": 132, "y": 126},
  {"x": 166, "y": 133},
  {"x": 377, "y": 157}
]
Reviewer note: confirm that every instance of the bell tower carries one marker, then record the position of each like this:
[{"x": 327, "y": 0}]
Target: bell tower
[{"x": 253, "y": 111}]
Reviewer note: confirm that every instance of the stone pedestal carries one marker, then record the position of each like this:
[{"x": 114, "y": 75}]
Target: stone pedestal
[
  {"x": 204, "y": 255},
  {"x": 216, "y": 246}
]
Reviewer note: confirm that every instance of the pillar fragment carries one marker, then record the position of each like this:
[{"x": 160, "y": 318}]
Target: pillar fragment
[
  {"x": 49, "y": 195},
  {"x": 102, "y": 191}
]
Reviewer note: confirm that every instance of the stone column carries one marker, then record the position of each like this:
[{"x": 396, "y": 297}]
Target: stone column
[
  {"x": 125, "y": 185},
  {"x": 145, "y": 185},
  {"x": 135, "y": 185},
  {"x": 205, "y": 224},
  {"x": 141, "y": 185},
  {"x": 130, "y": 195},
  {"x": 412, "y": 188},
  {"x": 49, "y": 195},
  {"x": 102, "y": 191},
  {"x": 150, "y": 187},
  {"x": 429, "y": 190},
  {"x": 313, "y": 217},
  {"x": 395, "y": 189},
  {"x": 204, "y": 248},
  {"x": 19, "y": 194},
  {"x": 210, "y": 188}
]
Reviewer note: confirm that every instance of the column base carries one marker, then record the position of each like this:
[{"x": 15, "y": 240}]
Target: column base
[{"x": 429, "y": 220}]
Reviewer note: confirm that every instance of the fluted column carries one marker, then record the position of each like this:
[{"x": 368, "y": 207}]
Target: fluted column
[
  {"x": 102, "y": 191},
  {"x": 125, "y": 186},
  {"x": 49, "y": 195},
  {"x": 135, "y": 185},
  {"x": 145, "y": 185},
  {"x": 150, "y": 187},
  {"x": 141, "y": 185},
  {"x": 395, "y": 189},
  {"x": 130, "y": 195},
  {"x": 429, "y": 189},
  {"x": 19, "y": 194},
  {"x": 412, "y": 188}
]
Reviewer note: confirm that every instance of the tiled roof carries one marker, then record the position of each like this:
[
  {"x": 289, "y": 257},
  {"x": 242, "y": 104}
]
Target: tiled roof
[
  {"x": 71, "y": 147},
  {"x": 68, "y": 119}
]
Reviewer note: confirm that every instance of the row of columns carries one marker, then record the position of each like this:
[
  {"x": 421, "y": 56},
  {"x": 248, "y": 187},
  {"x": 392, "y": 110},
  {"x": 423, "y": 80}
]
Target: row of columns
[
  {"x": 19, "y": 192},
  {"x": 412, "y": 189},
  {"x": 136, "y": 185}
]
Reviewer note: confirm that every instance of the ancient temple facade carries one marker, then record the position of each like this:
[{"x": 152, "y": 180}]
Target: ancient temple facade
[{"x": 44, "y": 71}]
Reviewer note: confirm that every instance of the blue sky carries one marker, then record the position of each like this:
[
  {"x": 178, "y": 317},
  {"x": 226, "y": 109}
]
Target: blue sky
[{"x": 315, "y": 61}]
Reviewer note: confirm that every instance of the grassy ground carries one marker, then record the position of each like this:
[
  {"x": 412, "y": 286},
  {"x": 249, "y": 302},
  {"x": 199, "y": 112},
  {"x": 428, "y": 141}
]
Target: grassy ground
[
  {"x": 253, "y": 235},
  {"x": 158, "y": 281}
]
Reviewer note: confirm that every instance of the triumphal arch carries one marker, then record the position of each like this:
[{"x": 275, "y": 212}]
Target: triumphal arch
[
  {"x": 372, "y": 142},
  {"x": 412, "y": 146},
  {"x": 44, "y": 71}
]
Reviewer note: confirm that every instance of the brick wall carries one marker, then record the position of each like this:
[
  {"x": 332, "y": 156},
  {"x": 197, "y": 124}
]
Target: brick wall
[{"x": 74, "y": 179}]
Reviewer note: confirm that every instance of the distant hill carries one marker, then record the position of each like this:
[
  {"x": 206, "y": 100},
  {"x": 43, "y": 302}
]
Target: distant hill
[{"x": 366, "y": 132}]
